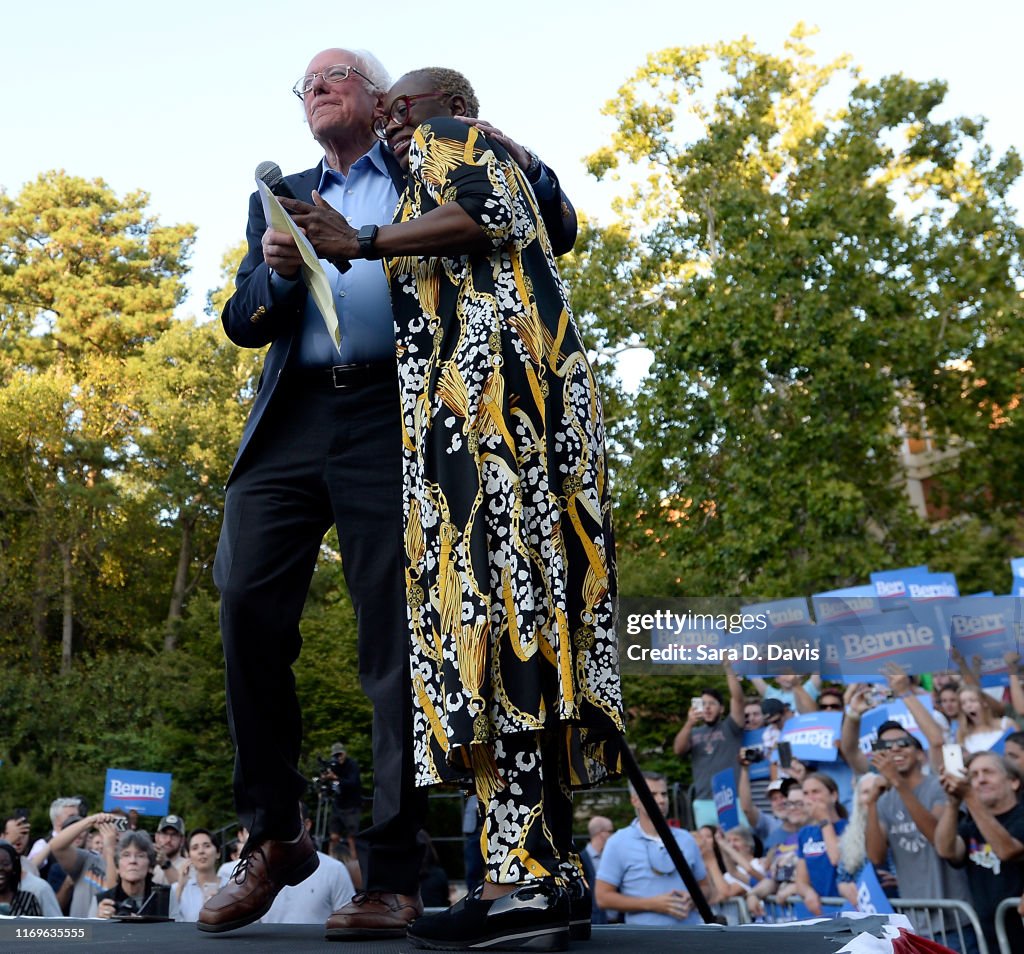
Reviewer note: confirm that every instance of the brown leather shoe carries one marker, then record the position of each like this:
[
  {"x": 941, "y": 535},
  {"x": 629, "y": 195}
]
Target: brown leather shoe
[
  {"x": 374, "y": 914},
  {"x": 258, "y": 877}
]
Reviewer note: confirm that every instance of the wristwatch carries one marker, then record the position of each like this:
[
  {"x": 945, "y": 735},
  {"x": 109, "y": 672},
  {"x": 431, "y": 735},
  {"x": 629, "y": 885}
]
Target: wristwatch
[
  {"x": 366, "y": 236},
  {"x": 533, "y": 169}
]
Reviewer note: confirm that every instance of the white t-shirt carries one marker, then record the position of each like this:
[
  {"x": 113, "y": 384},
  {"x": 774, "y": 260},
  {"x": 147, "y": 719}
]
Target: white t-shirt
[
  {"x": 314, "y": 900},
  {"x": 983, "y": 741},
  {"x": 194, "y": 896}
]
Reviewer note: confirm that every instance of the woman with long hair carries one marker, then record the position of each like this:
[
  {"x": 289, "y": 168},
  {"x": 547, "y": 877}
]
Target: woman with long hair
[
  {"x": 818, "y": 843},
  {"x": 980, "y": 728}
]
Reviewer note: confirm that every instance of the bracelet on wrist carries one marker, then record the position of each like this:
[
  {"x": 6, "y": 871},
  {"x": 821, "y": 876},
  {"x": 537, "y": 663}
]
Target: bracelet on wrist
[{"x": 851, "y": 713}]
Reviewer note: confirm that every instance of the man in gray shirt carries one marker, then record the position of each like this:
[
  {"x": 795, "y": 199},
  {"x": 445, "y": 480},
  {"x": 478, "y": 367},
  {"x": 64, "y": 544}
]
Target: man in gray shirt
[
  {"x": 714, "y": 744},
  {"x": 903, "y": 820}
]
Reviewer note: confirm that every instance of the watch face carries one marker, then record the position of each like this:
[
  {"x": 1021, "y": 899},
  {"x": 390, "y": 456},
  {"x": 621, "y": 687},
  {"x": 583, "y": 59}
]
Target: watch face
[{"x": 365, "y": 236}]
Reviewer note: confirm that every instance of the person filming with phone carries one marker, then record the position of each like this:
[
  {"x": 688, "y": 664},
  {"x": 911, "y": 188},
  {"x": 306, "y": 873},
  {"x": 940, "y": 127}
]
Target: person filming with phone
[{"x": 714, "y": 737}]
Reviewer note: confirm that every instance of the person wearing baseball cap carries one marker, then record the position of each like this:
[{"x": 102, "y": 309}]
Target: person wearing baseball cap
[{"x": 170, "y": 858}]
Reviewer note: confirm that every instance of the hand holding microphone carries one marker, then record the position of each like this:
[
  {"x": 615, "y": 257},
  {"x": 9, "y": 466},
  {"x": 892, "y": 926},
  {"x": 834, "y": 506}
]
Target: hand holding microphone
[{"x": 322, "y": 225}]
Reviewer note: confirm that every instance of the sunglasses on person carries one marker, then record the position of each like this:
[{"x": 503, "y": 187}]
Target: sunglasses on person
[
  {"x": 830, "y": 706},
  {"x": 883, "y": 745}
]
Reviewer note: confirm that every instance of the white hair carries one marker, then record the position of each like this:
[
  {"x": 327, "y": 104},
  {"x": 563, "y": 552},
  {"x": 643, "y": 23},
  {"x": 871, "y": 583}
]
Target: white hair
[
  {"x": 59, "y": 804},
  {"x": 373, "y": 68},
  {"x": 853, "y": 850}
]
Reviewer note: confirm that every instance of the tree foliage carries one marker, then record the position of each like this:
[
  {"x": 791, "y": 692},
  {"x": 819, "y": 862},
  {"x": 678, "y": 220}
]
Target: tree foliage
[{"x": 820, "y": 266}]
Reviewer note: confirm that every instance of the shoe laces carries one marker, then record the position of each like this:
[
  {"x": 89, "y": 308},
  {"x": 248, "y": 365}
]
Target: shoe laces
[{"x": 241, "y": 870}]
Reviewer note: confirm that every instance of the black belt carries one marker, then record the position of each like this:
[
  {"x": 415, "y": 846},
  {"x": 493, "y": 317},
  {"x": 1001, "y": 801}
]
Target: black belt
[{"x": 343, "y": 377}]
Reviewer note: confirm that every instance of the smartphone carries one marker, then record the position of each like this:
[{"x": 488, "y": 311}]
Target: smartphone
[
  {"x": 953, "y": 760},
  {"x": 785, "y": 750},
  {"x": 697, "y": 702},
  {"x": 121, "y": 823}
]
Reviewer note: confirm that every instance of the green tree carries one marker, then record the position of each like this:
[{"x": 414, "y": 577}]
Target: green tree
[
  {"x": 191, "y": 402},
  {"x": 810, "y": 281},
  {"x": 87, "y": 279}
]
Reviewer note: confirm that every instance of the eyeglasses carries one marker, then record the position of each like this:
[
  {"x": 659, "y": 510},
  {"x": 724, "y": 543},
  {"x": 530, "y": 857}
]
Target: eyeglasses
[
  {"x": 830, "y": 706},
  {"x": 399, "y": 111},
  {"x": 791, "y": 803},
  {"x": 883, "y": 745},
  {"x": 332, "y": 75}
]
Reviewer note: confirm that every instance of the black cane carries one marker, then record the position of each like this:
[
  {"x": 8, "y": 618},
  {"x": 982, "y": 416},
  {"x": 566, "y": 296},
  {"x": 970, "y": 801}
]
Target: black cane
[{"x": 664, "y": 832}]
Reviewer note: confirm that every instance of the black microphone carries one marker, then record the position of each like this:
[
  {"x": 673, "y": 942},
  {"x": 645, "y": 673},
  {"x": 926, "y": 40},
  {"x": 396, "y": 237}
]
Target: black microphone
[{"x": 269, "y": 173}]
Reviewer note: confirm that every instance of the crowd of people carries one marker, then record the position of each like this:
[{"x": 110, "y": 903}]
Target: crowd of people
[
  {"x": 807, "y": 831},
  {"x": 933, "y": 805},
  {"x": 106, "y": 865}
]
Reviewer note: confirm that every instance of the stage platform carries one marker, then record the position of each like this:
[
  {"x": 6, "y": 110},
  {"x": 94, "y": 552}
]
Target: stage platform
[{"x": 108, "y": 937}]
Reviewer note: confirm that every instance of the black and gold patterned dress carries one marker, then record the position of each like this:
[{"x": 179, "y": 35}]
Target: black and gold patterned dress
[{"x": 510, "y": 570}]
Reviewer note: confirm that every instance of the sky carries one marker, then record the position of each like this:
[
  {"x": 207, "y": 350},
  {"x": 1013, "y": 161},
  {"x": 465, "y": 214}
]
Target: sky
[{"x": 183, "y": 100}]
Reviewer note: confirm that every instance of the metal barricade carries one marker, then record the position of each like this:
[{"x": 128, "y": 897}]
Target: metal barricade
[
  {"x": 935, "y": 910},
  {"x": 734, "y": 910},
  {"x": 782, "y": 912},
  {"x": 1007, "y": 909}
]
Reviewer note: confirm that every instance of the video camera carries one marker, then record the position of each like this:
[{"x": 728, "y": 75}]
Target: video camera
[{"x": 320, "y": 783}]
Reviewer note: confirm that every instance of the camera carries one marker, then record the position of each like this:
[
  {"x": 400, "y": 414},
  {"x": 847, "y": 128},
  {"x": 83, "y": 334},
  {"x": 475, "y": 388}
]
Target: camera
[
  {"x": 752, "y": 753},
  {"x": 127, "y": 908},
  {"x": 121, "y": 823},
  {"x": 320, "y": 783}
]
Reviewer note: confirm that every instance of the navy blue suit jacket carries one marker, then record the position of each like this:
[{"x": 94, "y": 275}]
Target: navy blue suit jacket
[{"x": 252, "y": 318}]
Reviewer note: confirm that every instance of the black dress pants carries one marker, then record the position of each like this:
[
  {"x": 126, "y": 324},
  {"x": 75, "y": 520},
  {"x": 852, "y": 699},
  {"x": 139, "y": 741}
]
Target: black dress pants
[{"x": 319, "y": 456}]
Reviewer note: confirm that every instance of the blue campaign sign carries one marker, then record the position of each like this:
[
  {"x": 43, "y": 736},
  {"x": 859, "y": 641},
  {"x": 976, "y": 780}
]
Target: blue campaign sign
[
  {"x": 754, "y": 739},
  {"x": 862, "y": 649},
  {"x": 1017, "y": 566},
  {"x": 933, "y": 586},
  {"x": 788, "y": 612},
  {"x": 851, "y": 602},
  {"x": 149, "y": 793},
  {"x": 895, "y": 711},
  {"x": 723, "y": 788},
  {"x": 984, "y": 628},
  {"x": 999, "y": 746},
  {"x": 891, "y": 585},
  {"x": 813, "y": 736},
  {"x": 871, "y": 899},
  {"x": 675, "y": 641}
]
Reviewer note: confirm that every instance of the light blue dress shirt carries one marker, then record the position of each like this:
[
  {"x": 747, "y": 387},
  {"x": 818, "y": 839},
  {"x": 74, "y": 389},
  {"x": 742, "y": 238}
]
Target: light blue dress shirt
[
  {"x": 366, "y": 196},
  {"x": 640, "y": 866}
]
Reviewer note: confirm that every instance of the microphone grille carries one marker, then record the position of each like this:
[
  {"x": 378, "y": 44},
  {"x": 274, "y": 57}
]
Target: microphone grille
[{"x": 270, "y": 173}]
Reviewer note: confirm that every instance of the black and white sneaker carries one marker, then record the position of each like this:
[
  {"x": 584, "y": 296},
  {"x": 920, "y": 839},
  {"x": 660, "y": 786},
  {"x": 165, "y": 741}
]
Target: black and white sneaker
[{"x": 534, "y": 917}]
